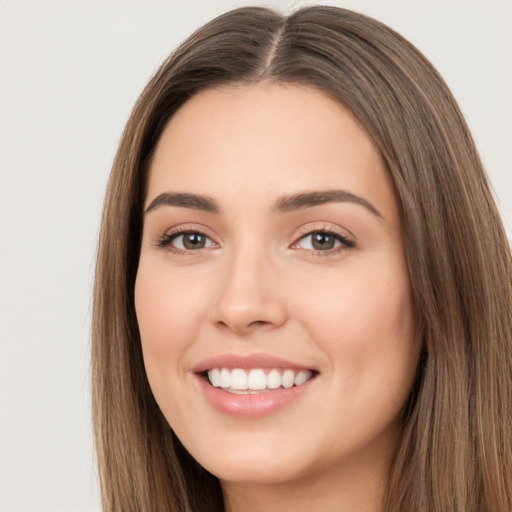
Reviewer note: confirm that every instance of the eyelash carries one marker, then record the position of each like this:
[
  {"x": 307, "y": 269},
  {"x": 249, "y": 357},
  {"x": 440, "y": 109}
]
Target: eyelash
[
  {"x": 345, "y": 242},
  {"x": 165, "y": 242}
]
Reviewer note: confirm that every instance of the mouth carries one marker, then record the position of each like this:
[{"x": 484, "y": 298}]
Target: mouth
[
  {"x": 251, "y": 386},
  {"x": 253, "y": 381}
]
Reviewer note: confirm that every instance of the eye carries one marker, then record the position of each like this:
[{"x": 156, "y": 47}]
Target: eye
[
  {"x": 186, "y": 241},
  {"x": 323, "y": 241}
]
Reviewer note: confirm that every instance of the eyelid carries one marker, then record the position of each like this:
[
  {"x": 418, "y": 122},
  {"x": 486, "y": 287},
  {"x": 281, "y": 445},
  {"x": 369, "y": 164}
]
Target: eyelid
[
  {"x": 328, "y": 227},
  {"x": 344, "y": 236},
  {"x": 164, "y": 241},
  {"x": 190, "y": 227}
]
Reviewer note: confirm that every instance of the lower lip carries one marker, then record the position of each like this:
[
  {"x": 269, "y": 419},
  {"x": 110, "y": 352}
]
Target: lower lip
[{"x": 252, "y": 405}]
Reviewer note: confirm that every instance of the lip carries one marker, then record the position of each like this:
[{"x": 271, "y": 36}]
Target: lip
[
  {"x": 247, "y": 362},
  {"x": 250, "y": 406}
]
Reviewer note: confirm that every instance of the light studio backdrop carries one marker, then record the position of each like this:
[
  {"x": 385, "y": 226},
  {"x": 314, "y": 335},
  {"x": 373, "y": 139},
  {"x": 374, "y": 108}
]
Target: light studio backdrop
[{"x": 70, "y": 72}]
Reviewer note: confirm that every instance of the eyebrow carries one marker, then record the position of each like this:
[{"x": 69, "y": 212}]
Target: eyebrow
[
  {"x": 185, "y": 200},
  {"x": 285, "y": 204},
  {"x": 309, "y": 199}
]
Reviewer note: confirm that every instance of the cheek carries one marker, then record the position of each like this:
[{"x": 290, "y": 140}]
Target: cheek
[
  {"x": 359, "y": 305},
  {"x": 364, "y": 322},
  {"x": 167, "y": 312}
]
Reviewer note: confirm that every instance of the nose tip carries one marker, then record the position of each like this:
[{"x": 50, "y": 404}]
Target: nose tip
[
  {"x": 247, "y": 302},
  {"x": 241, "y": 322}
]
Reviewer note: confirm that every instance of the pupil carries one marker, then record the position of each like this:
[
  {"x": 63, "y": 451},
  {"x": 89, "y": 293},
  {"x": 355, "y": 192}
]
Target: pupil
[
  {"x": 193, "y": 241},
  {"x": 322, "y": 241}
]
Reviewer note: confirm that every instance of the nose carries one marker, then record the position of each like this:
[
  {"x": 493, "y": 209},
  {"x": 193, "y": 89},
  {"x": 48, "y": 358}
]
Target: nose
[{"x": 249, "y": 296}]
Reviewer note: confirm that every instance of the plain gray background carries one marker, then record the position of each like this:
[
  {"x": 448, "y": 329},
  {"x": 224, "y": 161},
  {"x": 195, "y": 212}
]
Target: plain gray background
[{"x": 70, "y": 72}]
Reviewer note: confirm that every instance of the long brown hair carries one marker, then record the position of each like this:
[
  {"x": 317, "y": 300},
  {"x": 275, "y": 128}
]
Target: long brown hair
[{"x": 454, "y": 453}]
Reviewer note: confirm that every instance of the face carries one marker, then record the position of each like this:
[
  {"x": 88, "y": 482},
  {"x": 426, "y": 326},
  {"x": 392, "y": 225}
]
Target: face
[{"x": 272, "y": 293}]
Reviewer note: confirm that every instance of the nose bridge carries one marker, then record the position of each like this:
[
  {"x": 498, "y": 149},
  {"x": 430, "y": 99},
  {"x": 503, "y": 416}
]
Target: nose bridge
[{"x": 248, "y": 295}]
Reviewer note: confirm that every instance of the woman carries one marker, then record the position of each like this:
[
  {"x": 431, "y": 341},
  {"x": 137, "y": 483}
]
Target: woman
[{"x": 303, "y": 293}]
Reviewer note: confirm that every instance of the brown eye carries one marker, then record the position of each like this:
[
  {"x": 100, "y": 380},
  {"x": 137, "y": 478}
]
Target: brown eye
[
  {"x": 193, "y": 241},
  {"x": 322, "y": 241},
  {"x": 188, "y": 241}
]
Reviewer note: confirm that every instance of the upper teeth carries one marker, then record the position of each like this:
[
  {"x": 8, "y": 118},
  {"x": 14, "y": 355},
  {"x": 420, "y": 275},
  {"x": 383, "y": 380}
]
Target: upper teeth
[{"x": 237, "y": 379}]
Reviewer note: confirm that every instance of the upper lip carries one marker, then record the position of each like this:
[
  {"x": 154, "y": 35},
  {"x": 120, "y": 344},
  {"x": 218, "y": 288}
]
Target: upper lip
[{"x": 247, "y": 361}]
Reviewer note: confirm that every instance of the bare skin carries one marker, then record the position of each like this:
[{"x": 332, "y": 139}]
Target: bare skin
[{"x": 284, "y": 242}]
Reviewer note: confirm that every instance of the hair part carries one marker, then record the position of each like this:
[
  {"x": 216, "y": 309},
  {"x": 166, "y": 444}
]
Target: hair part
[{"x": 454, "y": 453}]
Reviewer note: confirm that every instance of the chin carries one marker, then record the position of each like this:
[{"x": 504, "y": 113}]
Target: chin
[
  {"x": 256, "y": 471},
  {"x": 262, "y": 459}
]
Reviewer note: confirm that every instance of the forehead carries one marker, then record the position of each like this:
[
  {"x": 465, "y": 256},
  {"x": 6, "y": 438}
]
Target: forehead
[{"x": 281, "y": 138}]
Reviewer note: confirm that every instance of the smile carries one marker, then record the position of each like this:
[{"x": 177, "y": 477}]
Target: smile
[
  {"x": 255, "y": 385},
  {"x": 256, "y": 380}
]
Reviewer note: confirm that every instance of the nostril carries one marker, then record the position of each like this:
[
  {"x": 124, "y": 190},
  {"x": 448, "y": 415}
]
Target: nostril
[
  {"x": 258, "y": 323},
  {"x": 242, "y": 327},
  {"x": 246, "y": 301}
]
